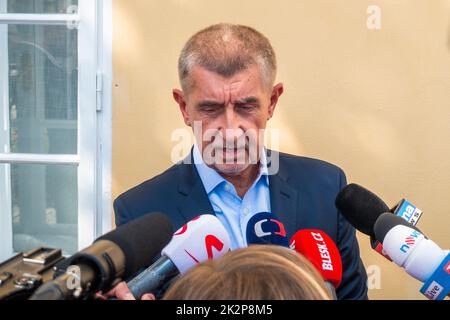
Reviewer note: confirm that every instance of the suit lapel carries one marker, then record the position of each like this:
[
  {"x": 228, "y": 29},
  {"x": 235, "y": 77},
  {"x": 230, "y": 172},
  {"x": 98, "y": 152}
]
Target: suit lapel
[
  {"x": 194, "y": 200},
  {"x": 283, "y": 198}
]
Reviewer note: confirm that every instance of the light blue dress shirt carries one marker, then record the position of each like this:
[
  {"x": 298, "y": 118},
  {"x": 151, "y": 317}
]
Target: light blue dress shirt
[{"x": 233, "y": 211}]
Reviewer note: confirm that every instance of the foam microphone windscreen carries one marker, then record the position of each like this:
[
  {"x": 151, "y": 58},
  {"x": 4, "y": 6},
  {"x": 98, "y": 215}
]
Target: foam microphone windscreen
[
  {"x": 321, "y": 251},
  {"x": 141, "y": 240},
  {"x": 266, "y": 228},
  {"x": 386, "y": 222},
  {"x": 360, "y": 207}
]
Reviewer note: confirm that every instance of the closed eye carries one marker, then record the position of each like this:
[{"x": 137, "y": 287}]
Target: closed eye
[
  {"x": 246, "y": 107},
  {"x": 209, "y": 107}
]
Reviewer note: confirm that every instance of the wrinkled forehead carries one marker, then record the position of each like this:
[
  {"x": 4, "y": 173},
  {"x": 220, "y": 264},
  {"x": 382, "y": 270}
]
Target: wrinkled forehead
[{"x": 210, "y": 85}]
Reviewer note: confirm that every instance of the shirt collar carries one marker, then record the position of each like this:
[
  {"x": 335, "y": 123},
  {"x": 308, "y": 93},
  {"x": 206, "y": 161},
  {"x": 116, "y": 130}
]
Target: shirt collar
[{"x": 211, "y": 179}]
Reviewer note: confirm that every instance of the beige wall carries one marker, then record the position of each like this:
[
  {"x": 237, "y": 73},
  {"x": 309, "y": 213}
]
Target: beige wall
[{"x": 376, "y": 103}]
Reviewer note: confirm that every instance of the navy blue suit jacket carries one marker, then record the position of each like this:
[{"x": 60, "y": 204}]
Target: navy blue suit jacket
[{"x": 302, "y": 196}]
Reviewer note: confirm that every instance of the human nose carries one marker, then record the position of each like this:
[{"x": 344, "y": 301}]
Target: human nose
[{"x": 231, "y": 121}]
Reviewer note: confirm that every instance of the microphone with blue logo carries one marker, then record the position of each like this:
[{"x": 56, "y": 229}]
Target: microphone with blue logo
[
  {"x": 266, "y": 228},
  {"x": 420, "y": 257},
  {"x": 405, "y": 210},
  {"x": 362, "y": 208}
]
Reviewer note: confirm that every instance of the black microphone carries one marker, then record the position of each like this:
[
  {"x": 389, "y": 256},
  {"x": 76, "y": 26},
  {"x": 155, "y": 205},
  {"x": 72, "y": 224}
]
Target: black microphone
[
  {"x": 114, "y": 256},
  {"x": 360, "y": 207}
]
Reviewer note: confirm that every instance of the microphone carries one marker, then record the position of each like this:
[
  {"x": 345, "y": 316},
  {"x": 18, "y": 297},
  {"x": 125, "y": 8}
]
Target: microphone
[
  {"x": 114, "y": 256},
  {"x": 362, "y": 208},
  {"x": 203, "y": 238},
  {"x": 437, "y": 287},
  {"x": 420, "y": 257},
  {"x": 404, "y": 209},
  {"x": 323, "y": 253},
  {"x": 407, "y": 211},
  {"x": 265, "y": 228}
]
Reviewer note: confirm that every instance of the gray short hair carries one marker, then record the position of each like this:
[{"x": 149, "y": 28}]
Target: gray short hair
[{"x": 226, "y": 49}]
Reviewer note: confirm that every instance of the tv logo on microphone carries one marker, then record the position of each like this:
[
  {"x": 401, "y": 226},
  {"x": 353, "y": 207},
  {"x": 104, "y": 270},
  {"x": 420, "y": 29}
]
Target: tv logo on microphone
[
  {"x": 261, "y": 233},
  {"x": 447, "y": 268},
  {"x": 324, "y": 253},
  {"x": 410, "y": 241},
  {"x": 433, "y": 291},
  {"x": 201, "y": 239},
  {"x": 211, "y": 242}
]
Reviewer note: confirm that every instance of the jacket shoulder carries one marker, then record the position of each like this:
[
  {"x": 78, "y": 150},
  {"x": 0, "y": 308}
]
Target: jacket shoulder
[
  {"x": 308, "y": 166},
  {"x": 155, "y": 185},
  {"x": 153, "y": 195}
]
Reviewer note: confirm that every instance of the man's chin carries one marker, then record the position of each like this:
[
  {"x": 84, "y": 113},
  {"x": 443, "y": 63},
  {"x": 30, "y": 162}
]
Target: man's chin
[{"x": 231, "y": 169}]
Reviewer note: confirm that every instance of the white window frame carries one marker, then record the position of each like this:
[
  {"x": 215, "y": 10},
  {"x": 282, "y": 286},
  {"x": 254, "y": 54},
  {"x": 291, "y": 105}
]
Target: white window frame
[
  {"x": 104, "y": 116},
  {"x": 93, "y": 158}
]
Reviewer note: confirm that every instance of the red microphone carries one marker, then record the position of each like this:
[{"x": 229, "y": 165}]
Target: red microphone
[{"x": 323, "y": 253}]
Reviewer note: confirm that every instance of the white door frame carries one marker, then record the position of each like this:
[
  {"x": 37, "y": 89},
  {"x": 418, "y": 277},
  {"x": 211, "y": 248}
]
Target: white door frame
[
  {"x": 6, "y": 243},
  {"x": 104, "y": 116},
  {"x": 94, "y": 22}
]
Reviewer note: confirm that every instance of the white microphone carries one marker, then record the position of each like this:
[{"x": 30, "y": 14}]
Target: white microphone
[
  {"x": 201, "y": 239},
  {"x": 411, "y": 250}
]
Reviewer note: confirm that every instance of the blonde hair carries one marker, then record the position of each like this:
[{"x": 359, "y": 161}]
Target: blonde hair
[
  {"x": 259, "y": 272},
  {"x": 226, "y": 49}
]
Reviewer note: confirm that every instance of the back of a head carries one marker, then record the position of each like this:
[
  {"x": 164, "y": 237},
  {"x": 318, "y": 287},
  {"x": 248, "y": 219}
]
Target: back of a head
[
  {"x": 227, "y": 49},
  {"x": 259, "y": 272}
]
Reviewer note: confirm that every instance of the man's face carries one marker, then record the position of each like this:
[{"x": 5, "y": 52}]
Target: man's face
[{"x": 231, "y": 111}]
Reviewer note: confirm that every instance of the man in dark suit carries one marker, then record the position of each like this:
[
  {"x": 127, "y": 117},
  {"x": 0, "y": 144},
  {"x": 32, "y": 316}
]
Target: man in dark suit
[{"x": 227, "y": 73}]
